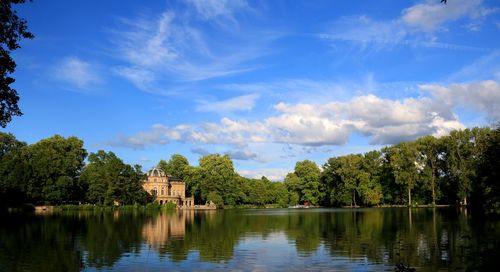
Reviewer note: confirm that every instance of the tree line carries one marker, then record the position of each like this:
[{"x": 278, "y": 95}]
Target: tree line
[{"x": 460, "y": 168}]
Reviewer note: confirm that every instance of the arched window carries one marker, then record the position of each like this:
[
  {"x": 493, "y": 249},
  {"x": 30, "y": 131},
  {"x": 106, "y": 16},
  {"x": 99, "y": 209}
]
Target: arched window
[
  {"x": 162, "y": 190},
  {"x": 154, "y": 191}
]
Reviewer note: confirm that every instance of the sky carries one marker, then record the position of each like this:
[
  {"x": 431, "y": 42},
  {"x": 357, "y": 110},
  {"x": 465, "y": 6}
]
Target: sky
[{"x": 269, "y": 83}]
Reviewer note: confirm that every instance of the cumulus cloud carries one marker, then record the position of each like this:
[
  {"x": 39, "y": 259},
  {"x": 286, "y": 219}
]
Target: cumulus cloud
[
  {"x": 76, "y": 72},
  {"x": 274, "y": 174},
  {"x": 382, "y": 120},
  {"x": 482, "y": 96},
  {"x": 240, "y": 103}
]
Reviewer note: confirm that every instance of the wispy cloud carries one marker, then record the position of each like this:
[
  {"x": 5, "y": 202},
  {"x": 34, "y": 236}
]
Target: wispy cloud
[
  {"x": 239, "y": 103},
  {"x": 170, "y": 49},
  {"x": 485, "y": 67},
  {"x": 159, "y": 134},
  {"x": 76, "y": 73},
  {"x": 366, "y": 31},
  {"x": 417, "y": 25},
  {"x": 432, "y": 15},
  {"x": 217, "y": 9}
]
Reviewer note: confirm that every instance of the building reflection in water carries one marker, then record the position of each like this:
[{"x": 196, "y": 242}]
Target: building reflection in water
[{"x": 164, "y": 228}]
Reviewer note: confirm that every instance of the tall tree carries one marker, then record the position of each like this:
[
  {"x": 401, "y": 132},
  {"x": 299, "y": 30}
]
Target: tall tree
[
  {"x": 109, "y": 179},
  {"x": 12, "y": 30},
  {"x": 351, "y": 175},
  {"x": 55, "y": 164},
  {"x": 462, "y": 153},
  {"x": 8, "y": 143},
  {"x": 429, "y": 149},
  {"x": 487, "y": 188},
  {"x": 13, "y": 170},
  {"x": 353, "y": 179},
  {"x": 405, "y": 166},
  {"x": 310, "y": 187},
  {"x": 371, "y": 189},
  {"x": 177, "y": 166},
  {"x": 333, "y": 184},
  {"x": 216, "y": 174},
  {"x": 293, "y": 184}
]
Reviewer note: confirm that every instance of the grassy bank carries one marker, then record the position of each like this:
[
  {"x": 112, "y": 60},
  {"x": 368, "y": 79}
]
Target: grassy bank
[{"x": 136, "y": 207}]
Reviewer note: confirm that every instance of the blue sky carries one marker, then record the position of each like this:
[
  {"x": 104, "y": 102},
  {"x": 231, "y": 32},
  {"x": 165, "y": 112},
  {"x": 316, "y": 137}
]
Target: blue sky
[{"x": 267, "y": 82}]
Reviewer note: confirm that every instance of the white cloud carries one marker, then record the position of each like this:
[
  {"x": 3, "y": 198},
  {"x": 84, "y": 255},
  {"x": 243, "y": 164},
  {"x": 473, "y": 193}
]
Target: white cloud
[
  {"x": 154, "y": 47},
  {"x": 364, "y": 30},
  {"x": 383, "y": 121},
  {"x": 214, "y": 9},
  {"x": 159, "y": 134},
  {"x": 77, "y": 73},
  {"x": 416, "y": 26},
  {"x": 482, "y": 96},
  {"x": 171, "y": 50},
  {"x": 274, "y": 174},
  {"x": 308, "y": 124},
  {"x": 240, "y": 103},
  {"x": 432, "y": 15}
]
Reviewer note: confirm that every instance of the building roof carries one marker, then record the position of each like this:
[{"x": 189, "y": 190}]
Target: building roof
[
  {"x": 155, "y": 172},
  {"x": 172, "y": 178}
]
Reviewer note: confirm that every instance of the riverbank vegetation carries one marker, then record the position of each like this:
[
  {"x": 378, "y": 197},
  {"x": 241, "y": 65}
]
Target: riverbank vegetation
[{"x": 458, "y": 169}]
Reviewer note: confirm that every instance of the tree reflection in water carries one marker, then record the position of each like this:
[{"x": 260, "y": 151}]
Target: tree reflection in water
[{"x": 428, "y": 239}]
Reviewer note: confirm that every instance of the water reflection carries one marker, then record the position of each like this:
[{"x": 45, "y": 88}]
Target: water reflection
[
  {"x": 165, "y": 228},
  {"x": 362, "y": 239}
]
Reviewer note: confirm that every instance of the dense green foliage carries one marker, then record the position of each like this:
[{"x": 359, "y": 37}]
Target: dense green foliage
[
  {"x": 47, "y": 171},
  {"x": 459, "y": 169},
  {"x": 109, "y": 180}
]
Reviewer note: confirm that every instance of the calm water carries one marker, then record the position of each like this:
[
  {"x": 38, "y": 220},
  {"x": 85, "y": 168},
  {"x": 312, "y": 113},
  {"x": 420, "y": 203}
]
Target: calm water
[{"x": 251, "y": 240}]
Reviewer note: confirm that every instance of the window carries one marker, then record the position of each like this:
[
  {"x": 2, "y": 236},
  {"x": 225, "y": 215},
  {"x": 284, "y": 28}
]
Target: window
[
  {"x": 162, "y": 190},
  {"x": 154, "y": 191}
]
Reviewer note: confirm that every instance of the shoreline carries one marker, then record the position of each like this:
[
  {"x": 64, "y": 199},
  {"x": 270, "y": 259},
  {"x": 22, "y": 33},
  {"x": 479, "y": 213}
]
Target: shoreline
[{"x": 41, "y": 209}]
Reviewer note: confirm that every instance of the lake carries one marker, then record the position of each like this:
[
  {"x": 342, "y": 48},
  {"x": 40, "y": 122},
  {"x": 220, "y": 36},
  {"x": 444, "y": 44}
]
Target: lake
[{"x": 251, "y": 240}]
